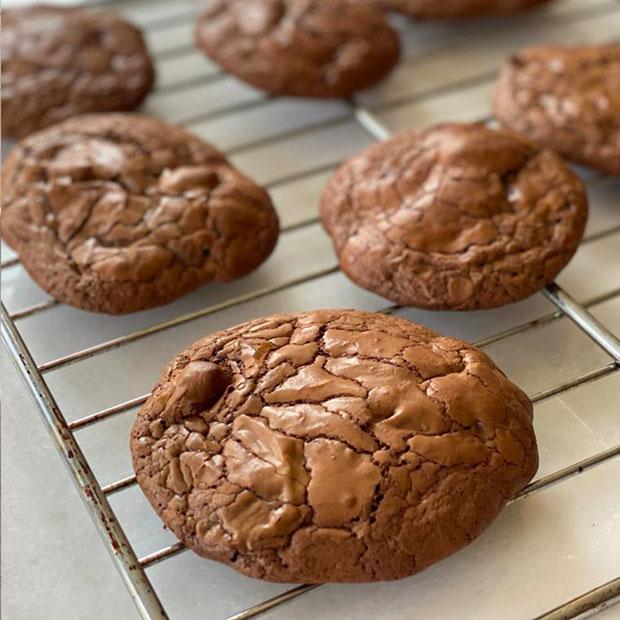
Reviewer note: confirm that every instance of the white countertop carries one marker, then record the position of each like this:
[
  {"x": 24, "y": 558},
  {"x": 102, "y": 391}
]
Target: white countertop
[
  {"x": 54, "y": 566},
  {"x": 544, "y": 549}
]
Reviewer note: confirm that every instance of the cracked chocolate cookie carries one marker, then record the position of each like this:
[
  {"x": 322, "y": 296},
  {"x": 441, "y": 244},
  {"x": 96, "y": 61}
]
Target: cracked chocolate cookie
[
  {"x": 453, "y": 9},
  {"x": 306, "y": 48},
  {"x": 117, "y": 213},
  {"x": 59, "y": 62},
  {"x": 333, "y": 445},
  {"x": 567, "y": 98},
  {"x": 456, "y": 217}
]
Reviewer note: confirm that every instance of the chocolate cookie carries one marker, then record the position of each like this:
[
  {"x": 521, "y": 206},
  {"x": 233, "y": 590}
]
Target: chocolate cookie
[
  {"x": 59, "y": 62},
  {"x": 117, "y": 213},
  {"x": 455, "y": 217},
  {"x": 567, "y": 98},
  {"x": 453, "y": 9},
  {"x": 332, "y": 446},
  {"x": 307, "y": 48}
]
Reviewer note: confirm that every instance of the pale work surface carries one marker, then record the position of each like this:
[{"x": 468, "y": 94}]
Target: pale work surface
[{"x": 545, "y": 549}]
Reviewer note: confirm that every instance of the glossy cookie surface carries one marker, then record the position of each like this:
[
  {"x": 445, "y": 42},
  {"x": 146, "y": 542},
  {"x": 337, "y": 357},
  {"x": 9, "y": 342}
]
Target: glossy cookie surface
[
  {"x": 305, "y": 48},
  {"x": 457, "y": 217},
  {"x": 117, "y": 213},
  {"x": 567, "y": 98},
  {"x": 332, "y": 445},
  {"x": 59, "y": 62}
]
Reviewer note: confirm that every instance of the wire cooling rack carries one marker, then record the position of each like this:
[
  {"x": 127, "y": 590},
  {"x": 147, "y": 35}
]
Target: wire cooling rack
[{"x": 555, "y": 551}]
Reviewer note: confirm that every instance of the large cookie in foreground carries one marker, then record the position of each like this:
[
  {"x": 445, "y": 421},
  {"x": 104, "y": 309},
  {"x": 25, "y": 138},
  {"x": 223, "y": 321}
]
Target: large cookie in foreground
[
  {"x": 305, "y": 48},
  {"x": 59, "y": 62},
  {"x": 117, "y": 213},
  {"x": 332, "y": 446},
  {"x": 567, "y": 98},
  {"x": 455, "y": 9},
  {"x": 457, "y": 217}
]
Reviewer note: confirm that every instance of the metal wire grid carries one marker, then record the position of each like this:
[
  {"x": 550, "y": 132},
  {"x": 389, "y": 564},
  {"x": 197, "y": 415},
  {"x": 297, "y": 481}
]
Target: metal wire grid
[{"x": 95, "y": 496}]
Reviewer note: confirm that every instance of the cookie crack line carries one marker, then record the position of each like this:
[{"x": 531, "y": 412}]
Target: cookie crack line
[{"x": 292, "y": 446}]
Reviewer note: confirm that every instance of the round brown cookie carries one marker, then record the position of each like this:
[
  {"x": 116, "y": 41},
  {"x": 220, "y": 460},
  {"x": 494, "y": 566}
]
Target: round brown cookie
[
  {"x": 58, "y": 62},
  {"x": 454, "y": 9},
  {"x": 117, "y": 213},
  {"x": 307, "y": 48},
  {"x": 567, "y": 98},
  {"x": 455, "y": 217},
  {"x": 332, "y": 446}
]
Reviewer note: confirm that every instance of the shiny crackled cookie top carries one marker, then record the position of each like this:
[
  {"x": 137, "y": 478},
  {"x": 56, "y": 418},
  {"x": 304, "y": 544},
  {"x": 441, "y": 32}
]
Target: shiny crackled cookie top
[
  {"x": 129, "y": 201},
  {"x": 567, "y": 98},
  {"x": 59, "y": 62},
  {"x": 454, "y": 217},
  {"x": 314, "y": 48},
  {"x": 329, "y": 446}
]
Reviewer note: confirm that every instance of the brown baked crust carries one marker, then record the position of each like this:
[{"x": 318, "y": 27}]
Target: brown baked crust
[
  {"x": 456, "y": 217},
  {"x": 307, "y": 48},
  {"x": 454, "y": 9},
  {"x": 59, "y": 62},
  {"x": 331, "y": 446},
  {"x": 118, "y": 212},
  {"x": 567, "y": 98}
]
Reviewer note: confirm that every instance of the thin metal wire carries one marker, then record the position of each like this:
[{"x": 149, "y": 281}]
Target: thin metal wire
[
  {"x": 585, "y": 378},
  {"x": 205, "y": 80},
  {"x": 220, "y": 112},
  {"x": 584, "y": 320},
  {"x": 597, "y": 599},
  {"x": 326, "y": 123},
  {"x": 603, "y": 233},
  {"x": 569, "y": 471},
  {"x": 518, "y": 329},
  {"x": 191, "y": 316},
  {"x": 162, "y": 554},
  {"x": 119, "y": 485},
  {"x": 161, "y": 22},
  {"x": 289, "y": 595},
  {"x": 103, "y": 414},
  {"x": 603, "y": 297},
  {"x": 125, "y": 559},
  {"x": 34, "y": 309},
  {"x": 9, "y": 262}
]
